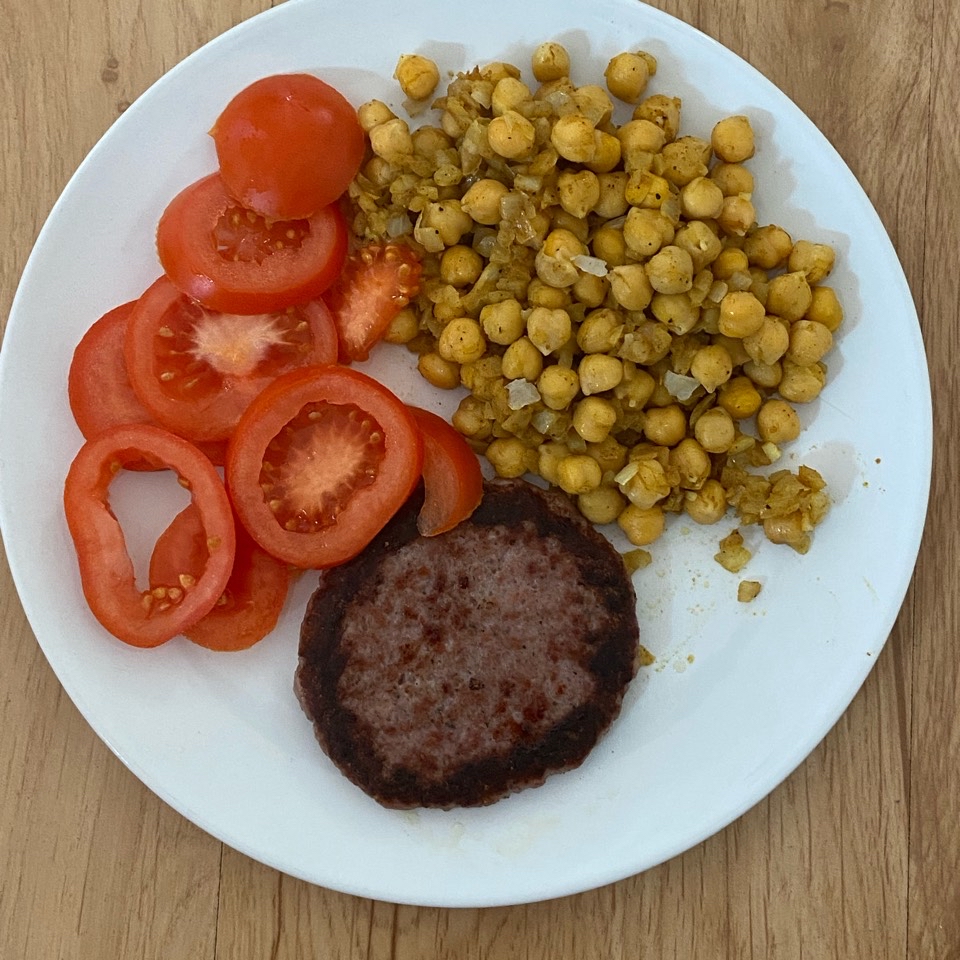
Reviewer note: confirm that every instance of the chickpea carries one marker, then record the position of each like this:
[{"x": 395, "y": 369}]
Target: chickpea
[
  {"x": 460, "y": 265},
  {"x": 685, "y": 159},
  {"x": 741, "y": 314},
  {"x": 418, "y": 76},
  {"x": 593, "y": 418},
  {"x": 729, "y": 260},
  {"x": 642, "y": 526},
  {"x": 372, "y": 113},
  {"x": 739, "y": 397},
  {"x": 613, "y": 195},
  {"x": 700, "y": 242},
  {"x": 599, "y": 372},
  {"x": 708, "y": 504},
  {"x": 482, "y": 201},
  {"x": 662, "y": 110},
  {"x": 448, "y": 219},
  {"x": 558, "y": 386},
  {"x": 609, "y": 453},
  {"x": 403, "y": 327},
  {"x": 770, "y": 342},
  {"x": 777, "y": 421},
  {"x": 814, "y": 260},
  {"x": 578, "y": 473},
  {"x": 590, "y": 290},
  {"x": 439, "y": 371},
  {"x": 462, "y": 341},
  {"x": 639, "y": 141},
  {"x": 676, "y": 311},
  {"x": 627, "y": 75},
  {"x": 540, "y": 294},
  {"x": 692, "y": 462},
  {"x": 602, "y": 505},
  {"x": 789, "y": 296},
  {"x": 579, "y": 191},
  {"x": 636, "y": 387},
  {"x": 428, "y": 142},
  {"x": 801, "y": 383},
  {"x": 630, "y": 286},
  {"x": 607, "y": 153},
  {"x": 732, "y": 139},
  {"x": 470, "y": 418},
  {"x": 592, "y": 102},
  {"x": 391, "y": 140},
  {"x": 552, "y": 262},
  {"x": 609, "y": 245},
  {"x": 502, "y": 322},
  {"x": 510, "y": 93},
  {"x": 548, "y": 330},
  {"x": 701, "y": 199},
  {"x": 670, "y": 270},
  {"x": 734, "y": 179},
  {"x": 645, "y": 231},
  {"x": 767, "y": 247},
  {"x": 648, "y": 190},
  {"x": 737, "y": 215},
  {"x": 715, "y": 430},
  {"x": 573, "y": 138},
  {"x": 766, "y": 375},
  {"x": 508, "y": 456},
  {"x": 809, "y": 342},
  {"x": 825, "y": 308},
  {"x": 665, "y": 425},
  {"x": 601, "y": 331},
  {"x": 549, "y": 455},
  {"x": 511, "y": 135},
  {"x": 522, "y": 361},
  {"x": 712, "y": 366},
  {"x": 550, "y": 61}
]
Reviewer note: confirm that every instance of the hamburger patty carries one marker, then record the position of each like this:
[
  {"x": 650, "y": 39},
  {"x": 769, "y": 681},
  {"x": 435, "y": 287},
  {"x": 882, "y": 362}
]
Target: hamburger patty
[{"x": 453, "y": 670}]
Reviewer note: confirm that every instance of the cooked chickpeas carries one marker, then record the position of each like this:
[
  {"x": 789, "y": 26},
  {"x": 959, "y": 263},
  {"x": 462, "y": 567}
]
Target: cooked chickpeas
[
  {"x": 418, "y": 76},
  {"x": 777, "y": 421},
  {"x": 462, "y": 341},
  {"x": 732, "y": 139},
  {"x": 603, "y": 292},
  {"x": 627, "y": 75}
]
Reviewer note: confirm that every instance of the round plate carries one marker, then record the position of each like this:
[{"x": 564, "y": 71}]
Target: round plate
[{"x": 739, "y": 693}]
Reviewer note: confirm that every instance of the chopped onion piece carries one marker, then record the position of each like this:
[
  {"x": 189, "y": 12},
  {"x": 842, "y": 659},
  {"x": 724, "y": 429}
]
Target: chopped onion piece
[
  {"x": 627, "y": 473},
  {"x": 679, "y": 386},
  {"x": 521, "y": 393},
  {"x": 595, "y": 266}
]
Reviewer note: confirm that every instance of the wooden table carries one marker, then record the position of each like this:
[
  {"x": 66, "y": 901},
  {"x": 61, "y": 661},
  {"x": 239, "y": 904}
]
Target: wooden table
[{"x": 855, "y": 856}]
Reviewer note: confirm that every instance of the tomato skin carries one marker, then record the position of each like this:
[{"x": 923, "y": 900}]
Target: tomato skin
[
  {"x": 195, "y": 370},
  {"x": 377, "y": 282},
  {"x": 452, "y": 479},
  {"x": 366, "y": 510},
  {"x": 254, "y": 596},
  {"x": 287, "y": 145},
  {"x": 106, "y": 570},
  {"x": 212, "y": 252}
]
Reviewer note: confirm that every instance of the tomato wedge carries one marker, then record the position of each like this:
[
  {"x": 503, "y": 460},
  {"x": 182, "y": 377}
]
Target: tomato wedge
[
  {"x": 232, "y": 260},
  {"x": 144, "y": 618},
  {"x": 196, "y": 370},
  {"x": 319, "y": 462},
  {"x": 251, "y": 603},
  {"x": 377, "y": 282},
  {"x": 288, "y": 144},
  {"x": 452, "y": 479}
]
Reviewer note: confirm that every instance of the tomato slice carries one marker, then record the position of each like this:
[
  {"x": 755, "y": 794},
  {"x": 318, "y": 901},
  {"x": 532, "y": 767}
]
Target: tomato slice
[
  {"x": 144, "y": 618},
  {"x": 452, "y": 479},
  {"x": 234, "y": 261},
  {"x": 251, "y": 603},
  {"x": 196, "y": 370},
  {"x": 377, "y": 282},
  {"x": 99, "y": 389},
  {"x": 288, "y": 144},
  {"x": 319, "y": 462}
]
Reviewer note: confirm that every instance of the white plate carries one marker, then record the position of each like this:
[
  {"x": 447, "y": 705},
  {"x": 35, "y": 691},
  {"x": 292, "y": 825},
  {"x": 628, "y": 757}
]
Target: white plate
[{"x": 740, "y": 693}]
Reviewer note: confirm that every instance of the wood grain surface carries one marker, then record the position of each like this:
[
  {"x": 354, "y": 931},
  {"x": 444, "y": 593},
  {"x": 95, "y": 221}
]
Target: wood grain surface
[{"x": 855, "y": 856}]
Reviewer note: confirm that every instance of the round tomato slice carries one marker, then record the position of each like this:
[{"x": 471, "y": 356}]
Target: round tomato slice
[
  {"x": 288, "y": 145},
  {"x": 452, "y": 479},
  {"x": 251, "y": 603},
  {"x": 320, "y": 461},
  {"x": 233, "y": 260},
  {"x": 196, "y": 370},
  {"x": 144, "y": 618}
]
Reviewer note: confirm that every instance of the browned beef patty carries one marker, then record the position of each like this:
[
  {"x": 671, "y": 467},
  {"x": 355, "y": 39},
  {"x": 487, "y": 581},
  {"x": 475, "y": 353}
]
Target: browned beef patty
[{"x": 453, "y": 670}]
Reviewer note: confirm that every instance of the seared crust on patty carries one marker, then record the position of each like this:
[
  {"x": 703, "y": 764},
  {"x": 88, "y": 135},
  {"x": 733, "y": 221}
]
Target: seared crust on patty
[{"x": 453, "y": 670}]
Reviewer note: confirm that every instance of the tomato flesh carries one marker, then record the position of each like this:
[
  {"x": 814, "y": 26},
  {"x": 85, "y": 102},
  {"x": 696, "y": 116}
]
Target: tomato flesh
[
  {"x": 452, "y": 479},
  {"x": 144, "y": 618},
  {"x": 232, "y": 260},
  {"x": 319, "y": 462},
  {"x": 377, "y": 282},
  {"x": 251, "y": 603},
  {"x": 196, "y": 370},
  {"x": 288, "y": 145}
]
